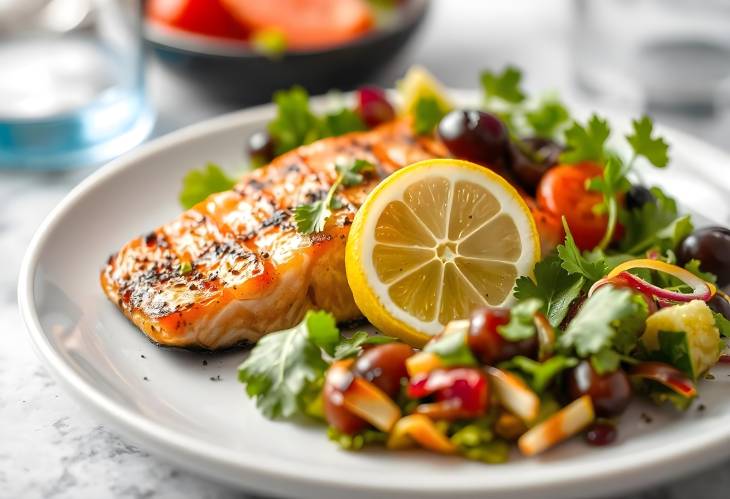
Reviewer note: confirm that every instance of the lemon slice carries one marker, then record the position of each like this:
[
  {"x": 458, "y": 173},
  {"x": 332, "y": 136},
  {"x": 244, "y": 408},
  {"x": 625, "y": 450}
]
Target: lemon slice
[
  {"x": 435, "y": 240},
  {"x": 419, "y": 83}
]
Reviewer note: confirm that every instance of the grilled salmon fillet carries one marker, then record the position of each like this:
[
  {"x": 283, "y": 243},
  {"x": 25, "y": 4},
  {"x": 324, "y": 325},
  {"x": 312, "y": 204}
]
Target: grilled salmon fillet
[{"x": 234, "y": 268}]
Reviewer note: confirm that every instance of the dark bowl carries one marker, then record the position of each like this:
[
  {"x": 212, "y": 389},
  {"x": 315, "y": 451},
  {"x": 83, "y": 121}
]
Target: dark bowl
[{"x": 231, "y": 71}]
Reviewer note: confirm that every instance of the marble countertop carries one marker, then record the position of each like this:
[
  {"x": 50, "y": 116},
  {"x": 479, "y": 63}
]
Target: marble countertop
[{"x": 51, "y": 447}]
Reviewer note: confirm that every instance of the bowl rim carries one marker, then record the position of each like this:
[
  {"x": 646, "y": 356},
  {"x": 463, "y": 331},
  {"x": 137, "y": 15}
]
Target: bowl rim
[{"x": 171, "y": 38}]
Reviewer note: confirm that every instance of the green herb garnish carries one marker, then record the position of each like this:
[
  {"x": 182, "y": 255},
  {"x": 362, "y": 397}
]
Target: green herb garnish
[
  {"x": 199, "y": 184},
  {"x": 312, "y": 217}
]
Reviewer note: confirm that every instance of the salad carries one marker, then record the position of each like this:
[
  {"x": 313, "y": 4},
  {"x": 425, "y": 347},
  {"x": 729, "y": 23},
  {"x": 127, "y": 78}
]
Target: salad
[{"x": 628, "y": 303}]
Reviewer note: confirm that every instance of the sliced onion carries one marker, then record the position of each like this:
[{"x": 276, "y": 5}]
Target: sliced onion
[{"x": 701, "y": 290}]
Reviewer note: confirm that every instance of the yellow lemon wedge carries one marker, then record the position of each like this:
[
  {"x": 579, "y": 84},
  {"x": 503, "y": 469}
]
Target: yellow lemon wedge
[
  {"x": 417, "y": 84},
  {"x": 434, "y": 241}
]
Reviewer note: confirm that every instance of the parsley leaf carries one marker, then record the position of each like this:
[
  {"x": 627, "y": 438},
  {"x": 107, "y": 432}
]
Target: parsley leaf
[
  {"x": 452, "y": 349},
  {"x": 199, "y": 184},
  {"x": 553, "y": 285},
  {"x": 351, "y": 347},
  {"x": 655, "y": 150},
  {"x": 653, "y": 225},
  {"x": 575, "y": 263},
  {"x": 540, "y": 374},
  {"x": 612, "y": 183},
  {"x": 504, "y": 85},
  {"x": 295, "y": 124},
  {"x": 426, "y": 115},
  {"x": 352, "y": 173},
  {"x": 547, "y": 118},
  {"x": 323, "y": 330},
  {"x": 521, "y": 325},
  {"x": 312, "y": 217},
  {"x": 605, "y": 361},
  {"x": 342, "y": 122},
  {"x": 284, "y": 370},
  {"x": 594, "y": 328},
  {"x": 586, "y": 143}
]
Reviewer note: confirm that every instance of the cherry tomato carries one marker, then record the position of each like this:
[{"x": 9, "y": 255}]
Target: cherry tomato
[
  {"x": 488, "y": 345},
  {"x": 461, "y": 393},
  {"x": 384, "y": 366},
  {"x": 562, "y": 191},
  {"x": 207, "y": 17},
  {"x": 338, "y": 379}
]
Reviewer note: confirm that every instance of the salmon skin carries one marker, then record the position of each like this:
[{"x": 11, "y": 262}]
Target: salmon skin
[{"x": 234, "y": 267}]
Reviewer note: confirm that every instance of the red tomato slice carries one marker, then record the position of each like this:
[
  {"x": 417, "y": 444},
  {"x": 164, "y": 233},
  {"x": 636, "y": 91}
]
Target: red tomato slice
[
  {"x": 206, "y": 17},
  {"x": 562, "y": 191},
  {"x": 306, "y": 24}
]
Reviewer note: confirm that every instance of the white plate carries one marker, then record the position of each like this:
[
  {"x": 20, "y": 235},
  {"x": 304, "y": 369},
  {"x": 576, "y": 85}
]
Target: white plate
[{"x": 166, "y": 401}]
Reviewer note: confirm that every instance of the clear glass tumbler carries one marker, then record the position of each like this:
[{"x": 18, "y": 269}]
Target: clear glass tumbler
[
  {"x": 672, "y": 54},
  {"x": 71, "y": 82}
]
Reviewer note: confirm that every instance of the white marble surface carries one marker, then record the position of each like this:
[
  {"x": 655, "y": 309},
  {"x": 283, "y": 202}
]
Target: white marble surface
[{"x": 51, "y": 447}]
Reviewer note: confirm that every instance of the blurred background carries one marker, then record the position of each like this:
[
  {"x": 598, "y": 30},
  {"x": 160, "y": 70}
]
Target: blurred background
[{"x": 83, "y": 81}]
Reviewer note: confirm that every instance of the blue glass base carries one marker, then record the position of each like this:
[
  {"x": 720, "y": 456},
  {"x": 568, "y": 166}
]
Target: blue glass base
[{"x": 89, "y": 137}]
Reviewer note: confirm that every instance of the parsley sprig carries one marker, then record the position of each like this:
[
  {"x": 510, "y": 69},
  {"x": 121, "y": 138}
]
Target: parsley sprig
[
  {"x": 285, "y": 371},
  {"x": 312, "y": 217},
  {"x": 199, "y": 184}
]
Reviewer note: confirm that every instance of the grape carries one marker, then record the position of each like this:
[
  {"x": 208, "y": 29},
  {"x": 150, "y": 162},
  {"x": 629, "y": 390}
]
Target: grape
[
  {"x": 610, "y": 392},
  {"x": 260, "y": 148},
  {"x": 638, "y": 196},
  {"x": 384, "y": 366},
  {"x": 531, "y": 158},
  {"x": 475, "y": 136},
  {"x": 711, "y": 246},
  {"x": 373, "y": 106},
  {"x": 488, "y": 345}
]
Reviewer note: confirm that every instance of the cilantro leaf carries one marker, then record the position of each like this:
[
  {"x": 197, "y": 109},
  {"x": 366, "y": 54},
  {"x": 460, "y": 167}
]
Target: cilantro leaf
[
  {"x": 653, "y": 225},
  {"x": 199, "y": 184},
  {"x": 594, "y": 328},
  {"x": 284, "y": 371},
  {"x": 295, "y": 124},
  {"x": 521, "y": 324},
  {"x": 586, "y": 143},
  {"x": 452, "y": 349},
  {"x": 426, "y": 115},
  {"x": 342, "y": 122},
  {"x": 504, "y": 85},
  {"x": 605, "y": 361},
  {"x": 553, "y": 285},
  {"x": 575, "y": 263},
  {"x": 311, "y": 217},
  {"x": 547, "y": 118},
  {"x": 655, "y": 150},
  {"x": 612, "y": 183},
  {"x": 351, "y": 347},
  {"x": 540, "y": 374},
  {"x": 352, "y": 173},
  {"x": 322, "y": 330}
]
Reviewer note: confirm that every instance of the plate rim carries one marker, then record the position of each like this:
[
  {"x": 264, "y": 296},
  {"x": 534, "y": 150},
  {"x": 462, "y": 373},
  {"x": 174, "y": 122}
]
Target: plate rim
[{"x": 264, "y": 474}]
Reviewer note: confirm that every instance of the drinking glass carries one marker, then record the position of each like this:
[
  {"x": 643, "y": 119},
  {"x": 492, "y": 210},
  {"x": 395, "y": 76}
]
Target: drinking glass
[{"x": 71, "y": 82}]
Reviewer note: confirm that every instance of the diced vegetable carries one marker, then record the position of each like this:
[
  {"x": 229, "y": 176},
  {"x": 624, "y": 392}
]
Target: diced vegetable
[
  {"x": 420, "y": 429},
  {"x": 514, "y": 394},
  {"x": 367, "y": 401},
  {"x": 685, "y": 336},
  {"x": 461, "y": 393},
  {"x": 565, "y": 423},
  {"x": 667, "y": 375},
  {"x": 422, "y": 363}
]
